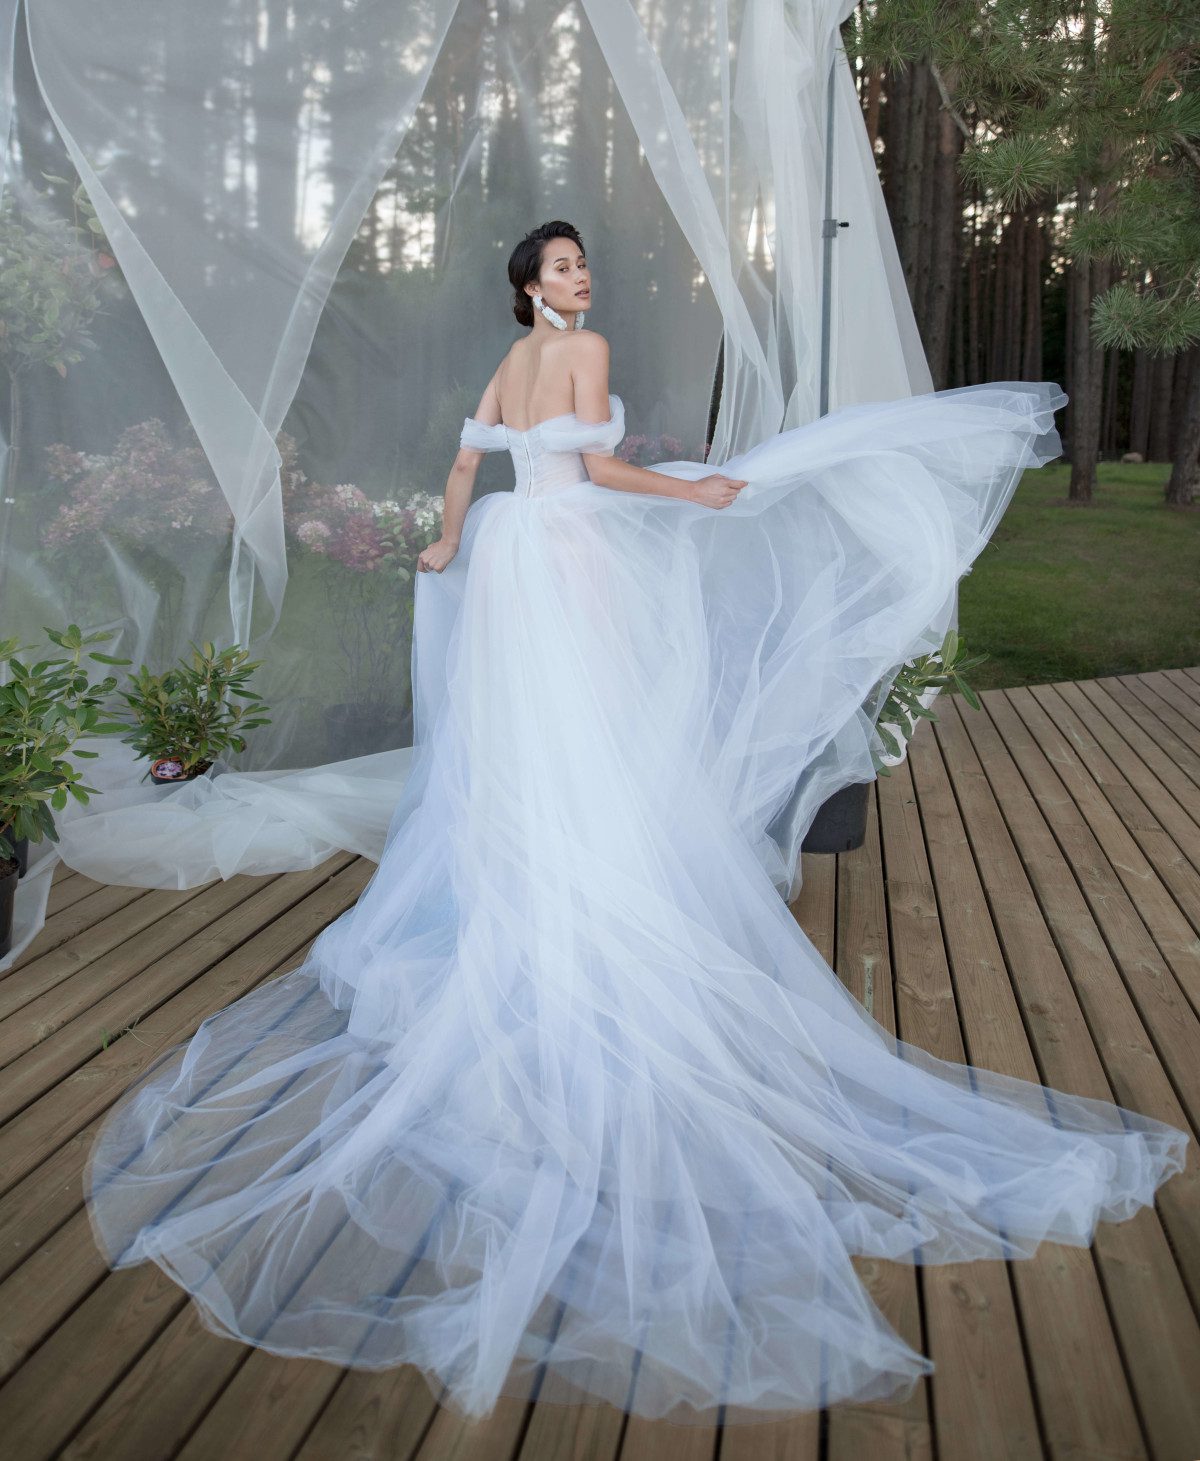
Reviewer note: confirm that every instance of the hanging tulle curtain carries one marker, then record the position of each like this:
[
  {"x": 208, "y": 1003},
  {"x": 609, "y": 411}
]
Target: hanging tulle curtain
[{"x": 233, "y": 395}]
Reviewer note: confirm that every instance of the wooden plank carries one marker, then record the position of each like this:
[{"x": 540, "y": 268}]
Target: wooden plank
[
  {"x": 1187, "y": 682},
  {"x": 493, "y": 1438},
  {"x": 49, "y": 1069},
  {"x": 815, "y": 906},
  {"x": 136, "y": 1304},
  {"x": 73, "y": 921},
  {"x": 55, "y": 989},
  {"x": 39, "y": 1205},
  {"x": 1081, "y": 1371},
  {"x": 1151, "y": 846},
  {"x": 30, "y": 1304},
  {"x": 370, "y": 1417},
  {"x": 982, "y": 1399},
  {"x": 1174, "y": 761},
  {"x": 1081, "y": 799},
  {"x": 266, "y": 1408},
  {"x": 1124, "y": 892},
  {"x": 1135, "y": 784},
  {"x": 1178, "y": 708},
  {"x": 880, "y": 1428},
  {"x": 69, "y": 1375},
  {"x": 40, "y": 1292},
  {"x": 162, "y": 1398},
  {"x": 267, "y": 1402},
  {"x": 1141, "y": 1028},
  {"x": 66, "y": 887}
]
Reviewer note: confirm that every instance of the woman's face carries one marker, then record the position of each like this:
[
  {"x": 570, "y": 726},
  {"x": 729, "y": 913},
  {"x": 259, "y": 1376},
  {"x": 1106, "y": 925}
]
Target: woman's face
[{"x": 565, "y": 281}]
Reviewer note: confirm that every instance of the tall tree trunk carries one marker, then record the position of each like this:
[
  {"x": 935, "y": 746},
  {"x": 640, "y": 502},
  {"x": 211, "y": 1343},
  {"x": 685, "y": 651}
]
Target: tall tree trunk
[
  {"x": 1160, "y": 408},
  {"x": 1031, "y": 366},
  {"x": 961, "y": 286},
  {"x": 1010, "y": 345},
  {"x": 1139, "y": 404},
  {"x": 1182, "y": 485},
  {"x": 1112, "y": 382},
  {"x": 1087, "y": 369},
  {"x": 894, "y": 127},
  {"x": 1181, "y": 380},
  {"x": 912, "y": 218},
  {"x": 925, "y": 144},
  {"x": 999, "y": 277},
  {"x": 871, "y": 107},
  {"x": 942, "y": 245},
  {"x": 974, "y": 305}
]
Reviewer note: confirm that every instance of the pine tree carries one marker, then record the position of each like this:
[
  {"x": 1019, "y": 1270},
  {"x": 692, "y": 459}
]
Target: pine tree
[{"x": 1093, "y": 109}]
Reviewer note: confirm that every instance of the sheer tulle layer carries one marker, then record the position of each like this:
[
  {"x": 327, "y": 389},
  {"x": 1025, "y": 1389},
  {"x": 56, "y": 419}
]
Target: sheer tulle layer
[{"x": 569, "y": 1086}]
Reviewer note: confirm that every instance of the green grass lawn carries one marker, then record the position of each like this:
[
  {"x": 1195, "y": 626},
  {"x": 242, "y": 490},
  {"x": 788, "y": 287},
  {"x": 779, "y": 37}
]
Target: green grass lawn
[{"x": 1070, "y": 593}]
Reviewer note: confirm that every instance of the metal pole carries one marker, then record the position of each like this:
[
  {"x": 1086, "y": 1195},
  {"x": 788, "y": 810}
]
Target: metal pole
[{"x": 829, "y": 228}]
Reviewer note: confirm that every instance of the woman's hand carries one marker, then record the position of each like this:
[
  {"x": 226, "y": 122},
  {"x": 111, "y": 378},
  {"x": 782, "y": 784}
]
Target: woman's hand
[
  {"x": 717, "y": 490},
  {"x": 435, "y": 557}
]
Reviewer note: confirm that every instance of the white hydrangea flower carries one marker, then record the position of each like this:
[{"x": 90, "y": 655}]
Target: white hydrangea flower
[{"x": 313, "y": 534}]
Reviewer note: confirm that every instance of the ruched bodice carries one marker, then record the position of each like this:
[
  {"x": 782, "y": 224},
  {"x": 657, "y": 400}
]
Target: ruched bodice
[{"x": 549, "y": 456}]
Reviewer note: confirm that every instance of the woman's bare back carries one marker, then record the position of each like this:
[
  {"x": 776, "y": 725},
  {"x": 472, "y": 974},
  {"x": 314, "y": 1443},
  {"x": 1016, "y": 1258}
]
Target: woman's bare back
[{"x": 533, "y": 382}]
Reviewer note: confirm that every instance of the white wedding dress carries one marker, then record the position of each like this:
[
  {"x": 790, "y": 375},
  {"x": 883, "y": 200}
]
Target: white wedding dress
[{"x": 569, "y": 1086}]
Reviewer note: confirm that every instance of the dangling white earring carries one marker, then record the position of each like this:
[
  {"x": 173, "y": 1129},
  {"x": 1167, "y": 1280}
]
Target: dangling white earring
[{"x": 553, "y": 315}]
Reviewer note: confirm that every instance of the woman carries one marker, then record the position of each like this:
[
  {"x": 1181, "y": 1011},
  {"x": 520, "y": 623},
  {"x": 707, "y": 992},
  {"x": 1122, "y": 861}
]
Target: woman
[{"x": 569, "y": 1086}]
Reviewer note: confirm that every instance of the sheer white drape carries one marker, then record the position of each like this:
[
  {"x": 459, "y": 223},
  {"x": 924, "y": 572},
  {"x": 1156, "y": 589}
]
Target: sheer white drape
[{"x": 310, "y": 210}]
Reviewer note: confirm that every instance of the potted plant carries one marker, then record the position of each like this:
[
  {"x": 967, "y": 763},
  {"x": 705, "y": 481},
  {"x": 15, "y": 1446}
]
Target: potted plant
[
  {"x": 841, "y": 820},
  {"x": 183, "y": 718},
  {"x": 45, "y": 707}
]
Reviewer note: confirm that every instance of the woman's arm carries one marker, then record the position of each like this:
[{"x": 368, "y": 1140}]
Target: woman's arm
[
  {"x": 589, "y": 373},
  {"x": 460, "y": 488}
]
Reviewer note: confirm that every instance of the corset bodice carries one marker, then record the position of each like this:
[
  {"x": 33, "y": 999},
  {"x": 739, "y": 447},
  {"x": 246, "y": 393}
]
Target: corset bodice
[{"x": 549, "y": 456}]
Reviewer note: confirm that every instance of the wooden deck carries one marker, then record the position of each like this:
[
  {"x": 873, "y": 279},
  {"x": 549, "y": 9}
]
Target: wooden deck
[{"x": 1028, "y": 899}]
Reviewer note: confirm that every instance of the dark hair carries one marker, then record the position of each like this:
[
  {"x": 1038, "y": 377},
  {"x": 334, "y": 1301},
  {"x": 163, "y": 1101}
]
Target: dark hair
[{"x": 525, "y": 263}]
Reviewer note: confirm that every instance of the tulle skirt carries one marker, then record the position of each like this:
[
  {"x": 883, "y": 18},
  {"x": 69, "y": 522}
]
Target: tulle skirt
[{"x": 569, "y": 1087}]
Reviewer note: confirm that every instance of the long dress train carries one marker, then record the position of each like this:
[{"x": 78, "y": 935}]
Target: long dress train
[{"x": 569, "y": 1086}]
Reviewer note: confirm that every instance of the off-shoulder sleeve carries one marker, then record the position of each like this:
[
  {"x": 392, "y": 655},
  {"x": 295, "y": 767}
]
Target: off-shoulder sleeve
[
  {"x": 599, "y": 437},
  {"x": 479, "y": 436}
]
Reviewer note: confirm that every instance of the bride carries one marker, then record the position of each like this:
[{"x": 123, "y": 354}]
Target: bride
[{"x": 569, "y": 1087}]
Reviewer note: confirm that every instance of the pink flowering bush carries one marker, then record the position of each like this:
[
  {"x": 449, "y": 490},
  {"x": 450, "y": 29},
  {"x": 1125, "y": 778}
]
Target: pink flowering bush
[
  {"x": 645, "y": 451},
  {"x": 366, "y": 551},
  {"x": 152, "y": 501},
  {"x": 349, "y": 528},
  {"x": 148, "y": 490}
]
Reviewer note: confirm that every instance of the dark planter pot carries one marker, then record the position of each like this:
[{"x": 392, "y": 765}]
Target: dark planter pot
[
  {"x": 21, "y": 853},
  {"x": 167, "y": 771},
  {"x": 8, "y": 898},
  {"x": 841, "y": 821}
]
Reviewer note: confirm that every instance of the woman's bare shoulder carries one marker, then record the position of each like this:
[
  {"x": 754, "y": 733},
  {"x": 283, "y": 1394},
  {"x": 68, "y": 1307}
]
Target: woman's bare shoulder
[
  {"x": 589, "y": 356},
  {"x": 590, "y": 344}
]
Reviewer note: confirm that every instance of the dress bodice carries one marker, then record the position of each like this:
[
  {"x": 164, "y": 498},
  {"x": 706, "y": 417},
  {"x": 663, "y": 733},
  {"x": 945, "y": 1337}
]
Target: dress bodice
[{"x": 549, "y": 456}]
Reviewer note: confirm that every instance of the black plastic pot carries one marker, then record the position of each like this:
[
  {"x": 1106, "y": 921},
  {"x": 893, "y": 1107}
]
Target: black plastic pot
[
  {"x": 21, "y": 852},
  {"x": 841, "y": 821},
  {"x": 8, "y": 898}
]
